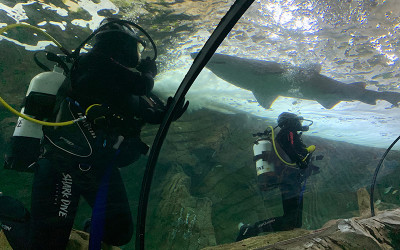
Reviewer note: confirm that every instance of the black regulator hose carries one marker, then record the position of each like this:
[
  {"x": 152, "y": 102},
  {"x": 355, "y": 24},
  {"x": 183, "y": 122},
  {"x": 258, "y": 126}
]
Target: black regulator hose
[
  {"x": 216, "y": 38},
  {"x": 76, "y": 52},
  {"x": 376, "y": 174}
]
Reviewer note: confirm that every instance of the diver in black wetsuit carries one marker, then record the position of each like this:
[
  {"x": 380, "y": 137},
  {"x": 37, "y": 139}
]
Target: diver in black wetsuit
[
  {"x": 81, "y": 159},
  {"x": 291, "y": 179}
]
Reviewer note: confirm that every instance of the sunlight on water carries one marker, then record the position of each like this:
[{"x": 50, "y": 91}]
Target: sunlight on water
[
  {"x": 310, "y": 33},
  {"x": 298, "y": 33}
]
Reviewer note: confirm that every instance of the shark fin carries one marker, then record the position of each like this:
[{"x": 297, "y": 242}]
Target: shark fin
[
  {"x": 315, "y": 67},
  {"x": 326, "y": 103},
  {"x": 264, "y": 100}
]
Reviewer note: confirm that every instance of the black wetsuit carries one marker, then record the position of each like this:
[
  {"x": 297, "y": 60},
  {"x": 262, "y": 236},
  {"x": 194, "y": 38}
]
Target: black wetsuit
[
  {"x": 291, "y": 184},
  {"x": 77, "y": 160}
]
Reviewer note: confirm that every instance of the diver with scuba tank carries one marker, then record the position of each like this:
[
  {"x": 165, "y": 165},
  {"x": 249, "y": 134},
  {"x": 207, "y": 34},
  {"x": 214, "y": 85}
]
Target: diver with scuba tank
[
  {"x": 107, "y": 93},
  {"x": 282, "y": 161}
]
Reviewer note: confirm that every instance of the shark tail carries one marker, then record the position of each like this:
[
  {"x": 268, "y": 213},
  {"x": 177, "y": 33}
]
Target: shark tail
[
  {"x": 371, "y": 96},
  {"x": 392, "y": 97}
]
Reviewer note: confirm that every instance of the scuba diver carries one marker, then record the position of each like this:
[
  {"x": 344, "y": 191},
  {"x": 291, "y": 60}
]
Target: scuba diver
[
  {"x": 111, "y": 86},
  {"x": 283, "y": 161}
]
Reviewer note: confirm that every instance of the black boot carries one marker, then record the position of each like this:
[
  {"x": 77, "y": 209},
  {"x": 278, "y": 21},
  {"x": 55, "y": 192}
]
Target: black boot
[
  {"x": 246, "y": 231},
  {"x": 12, "y": 209},
  {"x": 14, "y": 220},
  {"x": 87, "y": 225}
]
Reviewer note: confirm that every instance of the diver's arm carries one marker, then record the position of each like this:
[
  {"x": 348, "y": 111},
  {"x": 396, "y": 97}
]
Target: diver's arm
[
  {"x": 129, "y": 81},
  {"x": 100, "y": 75},
  {"x": 299, "y": 146},
  {"x": 288, "y": 139},
  {"x": 152, "y": 110}
]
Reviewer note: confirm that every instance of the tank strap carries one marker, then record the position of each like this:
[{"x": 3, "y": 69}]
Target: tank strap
[{"x": 262, "y": 156}]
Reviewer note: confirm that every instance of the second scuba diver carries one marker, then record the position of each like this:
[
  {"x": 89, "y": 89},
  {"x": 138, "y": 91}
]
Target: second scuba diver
[
  {"x": 287, "y": 167},
  {"x": 112, "y": 86}
]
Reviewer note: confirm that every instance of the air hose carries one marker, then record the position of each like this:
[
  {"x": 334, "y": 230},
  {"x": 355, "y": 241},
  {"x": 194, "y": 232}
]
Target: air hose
[
  {"x": 12, "y": 26},
  {"x": 12, "y": 110},
  {"x": 78, "y": 49},
  {"x": 224, "y": 27},
  {"x": 54, "y": 124},
  {"x": 276, "y": 151}
]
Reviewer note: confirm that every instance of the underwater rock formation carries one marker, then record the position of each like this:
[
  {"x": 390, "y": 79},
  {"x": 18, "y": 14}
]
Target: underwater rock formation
[
  {"x": 206, "y": 177},
  {"x": 214, "y": 151},
  {"x": 378, "y": 232},
  {"x": 186, "y": 218}
]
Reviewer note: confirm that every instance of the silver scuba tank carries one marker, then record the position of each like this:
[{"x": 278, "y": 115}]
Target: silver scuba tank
[
  {"x": 261, "y": 148},
  {"x": 266, "y": 176},
  {"x": 24, "y": 148}
]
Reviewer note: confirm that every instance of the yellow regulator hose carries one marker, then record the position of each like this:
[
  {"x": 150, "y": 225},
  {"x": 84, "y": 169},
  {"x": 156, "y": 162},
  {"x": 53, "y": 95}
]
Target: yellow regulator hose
[
  {"x": 11, "y": 109},
  {"x": 54, "y": 124},
  {"x": 12, "y": 26},
  {"x": 310, "y": 149},
  {"x": 276, "y": 151}
]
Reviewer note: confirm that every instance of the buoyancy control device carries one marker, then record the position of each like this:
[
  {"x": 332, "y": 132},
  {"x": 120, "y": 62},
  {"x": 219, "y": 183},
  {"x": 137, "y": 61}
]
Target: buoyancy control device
[{"x": 24, "y": 148}]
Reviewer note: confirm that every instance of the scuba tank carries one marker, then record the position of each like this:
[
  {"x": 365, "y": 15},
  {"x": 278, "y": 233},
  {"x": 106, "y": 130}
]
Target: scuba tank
[
  {"x": 261, "y": 148},
  {"x": 24, "y": 148},
  {"x": 265, "y": 169}
]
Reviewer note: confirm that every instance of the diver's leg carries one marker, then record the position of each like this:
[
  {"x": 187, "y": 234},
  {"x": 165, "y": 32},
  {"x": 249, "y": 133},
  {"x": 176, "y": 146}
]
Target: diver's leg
[
  {"x": 54, "y": 204},
  {"x": 292, "y": 202},
  {"x": 118, "y": 225},
  {"x": 14, "y": 220}
]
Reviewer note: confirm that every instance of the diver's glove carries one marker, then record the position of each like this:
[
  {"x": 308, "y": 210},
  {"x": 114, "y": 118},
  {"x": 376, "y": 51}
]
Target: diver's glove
[
  {"x": 156, "y": 115},
  {"x": 147, "y": 66},
  {"x": 182, "y": 107},
  {"x": 302, "y": 164},
  {"x": 311, "y": 149}
]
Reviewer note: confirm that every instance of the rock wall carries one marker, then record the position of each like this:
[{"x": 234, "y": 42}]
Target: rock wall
[
  {"x": 211, "y": 156},
  {"x": 205, "y": 182},
  {"x": 378, "y": 232}
]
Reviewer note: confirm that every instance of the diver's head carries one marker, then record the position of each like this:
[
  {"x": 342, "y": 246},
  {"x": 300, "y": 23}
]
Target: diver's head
[
  {"x": 292, "y": 121},
  {"x": 119, "y": 41}
]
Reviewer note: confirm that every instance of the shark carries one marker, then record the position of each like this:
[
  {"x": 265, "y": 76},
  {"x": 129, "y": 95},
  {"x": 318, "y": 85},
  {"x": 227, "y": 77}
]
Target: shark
[{"x": 268, "y": 80}]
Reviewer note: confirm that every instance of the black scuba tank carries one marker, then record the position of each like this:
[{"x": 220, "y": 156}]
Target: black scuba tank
[{"x": 24, "y": 147}]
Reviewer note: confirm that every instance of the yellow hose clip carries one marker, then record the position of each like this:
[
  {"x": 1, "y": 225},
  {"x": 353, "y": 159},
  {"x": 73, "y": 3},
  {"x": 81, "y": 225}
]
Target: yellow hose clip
[{"x": 97, "y": 119}]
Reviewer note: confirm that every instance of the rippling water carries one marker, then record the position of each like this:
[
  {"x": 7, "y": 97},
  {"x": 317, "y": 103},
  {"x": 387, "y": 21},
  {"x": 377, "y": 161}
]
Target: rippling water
[{"x": 352, "y": 41}]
